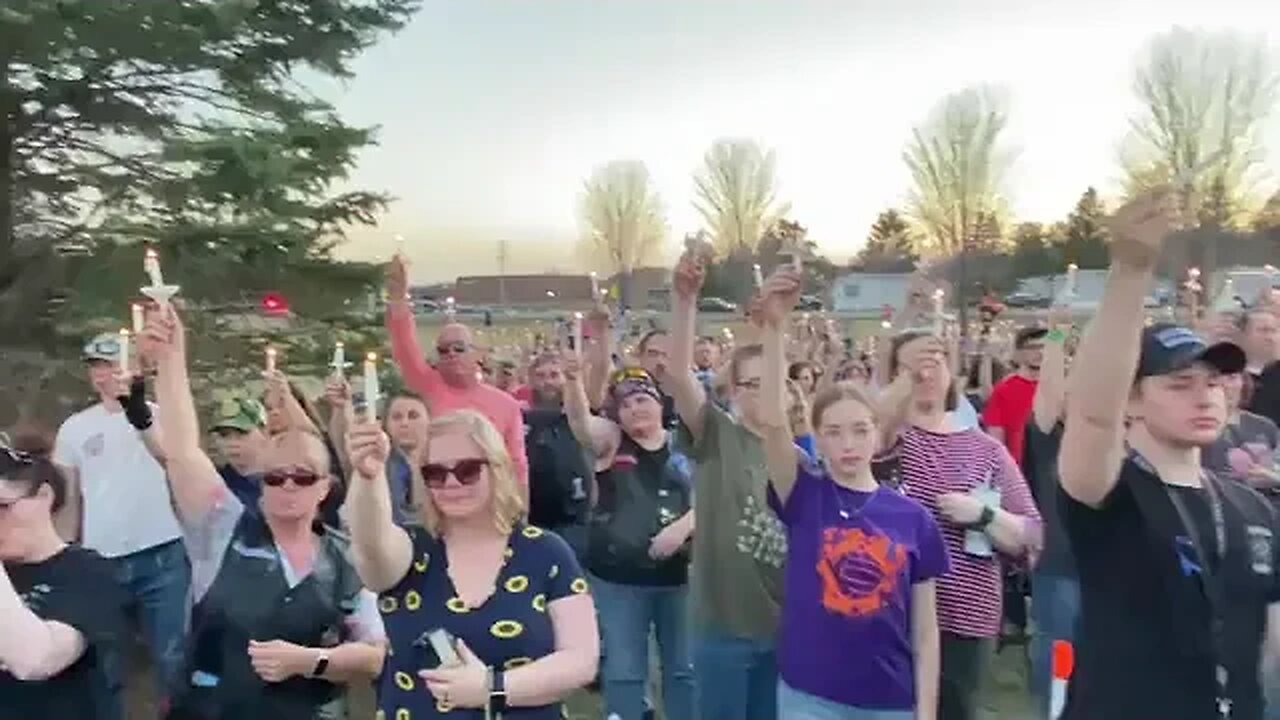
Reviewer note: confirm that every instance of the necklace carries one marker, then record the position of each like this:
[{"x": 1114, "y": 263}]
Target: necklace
[{"x": 846, "y": 512}]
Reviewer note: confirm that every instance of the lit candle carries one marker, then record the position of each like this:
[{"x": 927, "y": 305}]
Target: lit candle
[
  {"x": 124, "y": 350},
  {"x": 135, "y": 311},
  {"x": 577, "y": 332},
  {"x": 271, "y": 359},
  {"x": 759, "y": 275},
  {"x": 151, "y": 264},
  {"x": 371, "y": 386},
  {"x": 450, "y": 308},
  {"x": 1071, "y": 280},
  {"x": 339, "y": 357},
  {"x": 399, "y": 246},
  {"x": 595, "y": 287}
]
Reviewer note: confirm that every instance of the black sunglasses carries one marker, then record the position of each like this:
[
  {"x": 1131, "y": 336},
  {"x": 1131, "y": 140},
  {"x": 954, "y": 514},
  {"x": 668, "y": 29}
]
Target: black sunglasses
[
  {"x": 454, "y": 348},
  {"x": 466, "y": 472},
  {"x": 300, "y": 477}
]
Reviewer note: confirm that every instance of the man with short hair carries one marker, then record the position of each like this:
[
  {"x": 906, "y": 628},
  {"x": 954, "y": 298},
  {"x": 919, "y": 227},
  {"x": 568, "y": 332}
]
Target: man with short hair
[
  {"x": 453, "y": 383},
  {"x": 1260, "y": 337},
  {"x": 1006, "y": 412},
  {"x": 110, "y": 454},
  {"x": 1178, "y": 569}
]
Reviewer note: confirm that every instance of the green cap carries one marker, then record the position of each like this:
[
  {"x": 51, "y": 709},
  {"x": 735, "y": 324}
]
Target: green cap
[{"x": 240, "y": 413}]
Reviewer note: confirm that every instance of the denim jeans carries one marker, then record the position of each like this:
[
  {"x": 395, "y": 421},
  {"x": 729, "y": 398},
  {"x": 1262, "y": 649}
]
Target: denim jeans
[
  {"x": 627, "y": 612},
  {"x": 798, "y": 705},
  {"x": 156, "y": 581},
  {"x": 737, "y": 677},
  {"x": 1055, "y": 611}
]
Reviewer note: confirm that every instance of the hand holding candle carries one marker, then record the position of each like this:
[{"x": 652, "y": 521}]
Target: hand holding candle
[
  {"x": 371, "y": 390},
  {"x": 151, "y": 265},
  {"x": 339, "y": 363},
  {"x": 595, "y": 287},
  {"x": 577, "y": 332},
  {"x": 758, "y": 274}
]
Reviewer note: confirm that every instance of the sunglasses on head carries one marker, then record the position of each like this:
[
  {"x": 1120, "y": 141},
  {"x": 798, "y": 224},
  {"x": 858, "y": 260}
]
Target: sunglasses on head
[
  {"x": 631, "y": 373},
  {"x": 453, "y": 348},
  {"x": 300, "y": 477},
  {"x": 466, "y": 472}
]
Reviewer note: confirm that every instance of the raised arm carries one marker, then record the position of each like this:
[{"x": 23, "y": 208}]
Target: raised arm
[
  {"x": 1092, "y": 443},
  {"x": 779, "y": 295},
  {"x": 690, "y": 399},
  {"x": 403, "y": 332},
  {"x": 597, "y": 434},
  {"x": 193, "y": 480},
  {"x": 381, "y": 550},
  {"x": 1051, "y": 391},
  {"x": 33, "y": 649},
  {"x": 599, "y": 356},
  {"x": 341, "y": 414}
]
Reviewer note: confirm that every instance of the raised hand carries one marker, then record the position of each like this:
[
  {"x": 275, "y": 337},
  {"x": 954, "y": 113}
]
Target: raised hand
[
  {"x": 397, "y": 279},
  {"x": 337, "y": 391},
  {"x": 1139, "y": 228},
  {"x": 368, "y": 447},
  {"x": 689, "y": 275},
  {"x": 163, "y": 334},
  {"x": 779, "y": 296}
]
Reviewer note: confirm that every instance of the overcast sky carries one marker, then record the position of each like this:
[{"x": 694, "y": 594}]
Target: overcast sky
[{"x": 494, "y": 111}]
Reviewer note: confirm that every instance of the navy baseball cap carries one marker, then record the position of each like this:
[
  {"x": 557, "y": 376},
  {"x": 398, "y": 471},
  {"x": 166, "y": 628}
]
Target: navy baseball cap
[{"x": 1168, "y": 348}]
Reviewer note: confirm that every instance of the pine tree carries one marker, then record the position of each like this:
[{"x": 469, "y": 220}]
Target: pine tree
[
  {"x": 890, "y": 246},
  {"x": 1084, "y": 240}
]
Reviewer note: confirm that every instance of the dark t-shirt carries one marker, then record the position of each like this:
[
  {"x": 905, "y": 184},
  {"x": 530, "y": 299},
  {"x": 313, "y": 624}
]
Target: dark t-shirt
[
  {"x": 1040, "y": 468},
  {"x": 1266, "y": 393},
  {"x": 1145, "y": 650},
  {"x": 1252, "y": 434},
  {"x": 76, "y": 587}
]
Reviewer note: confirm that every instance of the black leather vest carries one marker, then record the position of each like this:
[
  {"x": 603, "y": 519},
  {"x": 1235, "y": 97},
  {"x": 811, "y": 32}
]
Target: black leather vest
[{"x": 250, "y": 599}]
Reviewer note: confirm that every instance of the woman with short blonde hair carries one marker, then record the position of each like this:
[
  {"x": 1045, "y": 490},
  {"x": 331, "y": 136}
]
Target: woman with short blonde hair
[{"x": 485, "y": 614}]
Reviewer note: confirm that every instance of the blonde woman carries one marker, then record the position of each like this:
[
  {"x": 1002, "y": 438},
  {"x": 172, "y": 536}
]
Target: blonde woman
[{"x": 507, "y": 598}]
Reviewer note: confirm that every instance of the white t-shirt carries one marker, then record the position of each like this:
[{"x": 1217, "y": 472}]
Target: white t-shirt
[{"x": 127, "y": 507}]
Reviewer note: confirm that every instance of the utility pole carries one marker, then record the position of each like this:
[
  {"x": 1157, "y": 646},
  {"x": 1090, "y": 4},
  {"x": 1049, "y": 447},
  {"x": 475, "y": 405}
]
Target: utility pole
[{"x": 502, "y": 272}]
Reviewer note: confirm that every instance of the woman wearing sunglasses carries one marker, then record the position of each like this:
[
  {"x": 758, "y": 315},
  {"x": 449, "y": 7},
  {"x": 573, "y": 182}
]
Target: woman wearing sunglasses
[
  {"x": 638, "y": 540},
  {"x": 280, "y": 620},
  {"x": 486, "y": 616},
  {"x": 60, "y": 607}
]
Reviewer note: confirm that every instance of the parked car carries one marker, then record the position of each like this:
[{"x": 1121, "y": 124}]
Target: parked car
[
  {"x": 811, "y": 303},
  {"x": 716, "y": 305},
  {"x": 1026, "y": 300}
]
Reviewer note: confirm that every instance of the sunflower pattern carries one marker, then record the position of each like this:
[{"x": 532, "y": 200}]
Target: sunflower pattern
[{"x": 509, "y": 630}]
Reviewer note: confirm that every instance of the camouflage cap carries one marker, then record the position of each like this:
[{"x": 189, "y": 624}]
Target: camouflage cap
[{"x": 239, "y": 413}]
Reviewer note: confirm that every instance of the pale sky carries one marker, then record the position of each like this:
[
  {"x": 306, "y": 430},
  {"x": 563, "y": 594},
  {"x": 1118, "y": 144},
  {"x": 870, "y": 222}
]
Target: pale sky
[{"x": 493, "y": 112}]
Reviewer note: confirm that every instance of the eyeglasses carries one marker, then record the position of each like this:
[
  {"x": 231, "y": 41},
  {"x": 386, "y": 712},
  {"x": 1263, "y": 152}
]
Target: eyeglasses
[
  {"x": 752, "y": 384},
  {"x": 453, "y": 348},
  {"x": 466, "y": 472},
  {"x": 301, "y": 477}
]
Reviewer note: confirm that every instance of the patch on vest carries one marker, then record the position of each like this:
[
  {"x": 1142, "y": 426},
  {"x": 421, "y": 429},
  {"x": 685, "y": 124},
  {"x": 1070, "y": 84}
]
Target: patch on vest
[{"x": 1260, "y": 549}]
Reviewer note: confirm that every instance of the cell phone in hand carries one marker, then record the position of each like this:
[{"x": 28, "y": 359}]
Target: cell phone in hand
[{"x": 437, "y": 648}]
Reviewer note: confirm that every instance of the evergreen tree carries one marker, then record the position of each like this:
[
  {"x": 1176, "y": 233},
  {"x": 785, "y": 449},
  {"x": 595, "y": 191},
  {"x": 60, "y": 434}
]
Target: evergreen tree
[
  {"x": 1084, "y": 235},
  {"x": 889, "y": 247}
]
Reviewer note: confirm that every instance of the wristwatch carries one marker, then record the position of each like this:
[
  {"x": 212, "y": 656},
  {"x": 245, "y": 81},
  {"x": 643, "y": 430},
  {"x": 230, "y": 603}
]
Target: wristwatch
[
  {"x": 988, "y": 514},
  {"x": 498, "y": 692},
  {"x": 322, "y": 665}
]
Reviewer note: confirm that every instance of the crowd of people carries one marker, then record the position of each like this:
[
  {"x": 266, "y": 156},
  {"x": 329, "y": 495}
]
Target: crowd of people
[{"x": 798, "y": 528}]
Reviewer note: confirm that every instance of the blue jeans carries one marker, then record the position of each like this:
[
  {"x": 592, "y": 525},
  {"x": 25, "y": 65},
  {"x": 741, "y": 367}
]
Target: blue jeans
[
  {"x": 156, "y": 581},
  {"x": 627, "y": 612},
  {"x": 798, "y": 705},
  {"x": 737, "y": 677},
  {"x": 1055, "y": 611}
]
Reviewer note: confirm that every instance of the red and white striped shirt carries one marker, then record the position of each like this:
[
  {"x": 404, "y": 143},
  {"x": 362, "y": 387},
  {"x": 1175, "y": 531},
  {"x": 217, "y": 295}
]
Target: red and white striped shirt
[{"x": 931, "y": 464}]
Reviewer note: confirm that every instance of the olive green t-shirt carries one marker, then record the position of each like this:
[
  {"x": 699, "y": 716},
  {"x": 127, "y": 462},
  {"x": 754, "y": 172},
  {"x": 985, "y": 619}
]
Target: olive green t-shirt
[{"x": 739, "y": 545}]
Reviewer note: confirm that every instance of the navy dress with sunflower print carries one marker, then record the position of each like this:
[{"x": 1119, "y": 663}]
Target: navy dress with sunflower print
[{"x": 510, "y": 629}]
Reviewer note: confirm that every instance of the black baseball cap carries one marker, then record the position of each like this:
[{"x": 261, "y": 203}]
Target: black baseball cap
[
  {"x": 1027, "y": 335},
  {"x": 1168, "y": 348}
]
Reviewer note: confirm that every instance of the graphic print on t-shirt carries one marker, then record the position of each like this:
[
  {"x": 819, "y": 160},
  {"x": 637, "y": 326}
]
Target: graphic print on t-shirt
[{"x": 859, "y": 571}]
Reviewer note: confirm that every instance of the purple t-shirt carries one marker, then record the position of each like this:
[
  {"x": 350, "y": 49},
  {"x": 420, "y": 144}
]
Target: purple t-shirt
[{"x": 851, "y": 561}]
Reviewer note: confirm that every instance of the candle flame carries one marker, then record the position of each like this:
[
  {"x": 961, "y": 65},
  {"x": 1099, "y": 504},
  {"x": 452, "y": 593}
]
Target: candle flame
[
  {"x": 338, "y": 344},
  {"x": 124, "y": 332},
  {"x": 371, "y": 357},
  {"x": 152, "y": 254},
  {"x": 271, "y": 350},
  {"x": 1072, "y": 267},
  {"x": 937, "y": 294},
  {"x": 577, "y": 316},
  {"x": 1193, "y": 272}
]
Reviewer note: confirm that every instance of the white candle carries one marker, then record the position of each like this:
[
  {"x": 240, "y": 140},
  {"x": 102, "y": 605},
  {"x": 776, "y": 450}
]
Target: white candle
[
  {"x": 577, "y": 332},
  {"x": 797, "y": 261},
  {"x": 271, "y": 359},
  {"x": 450, "y": 307},
  {"x": 339, "y": 357},
  {"x": 371, "y": 386},
  {"x": 1071, "y": 280},
  {"x": 151, "y": 264},
  {"x": 759, "y": 275},
  {"x": 135, "y": 312},
  {"x": 124, "y": 350},
  {"x": 595, "y": 287}
]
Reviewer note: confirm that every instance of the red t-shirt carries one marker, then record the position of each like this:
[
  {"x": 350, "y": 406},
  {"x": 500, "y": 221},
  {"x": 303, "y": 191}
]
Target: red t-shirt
[{"x": 1009, "y": 408}]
